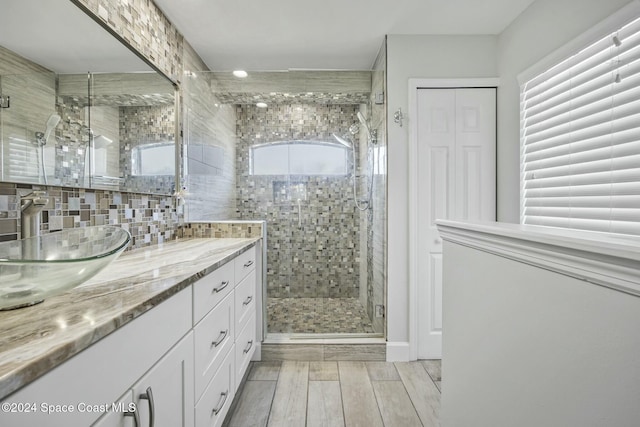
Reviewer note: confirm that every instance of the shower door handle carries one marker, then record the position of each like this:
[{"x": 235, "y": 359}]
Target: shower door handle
[{"x": 299, "y": 213}]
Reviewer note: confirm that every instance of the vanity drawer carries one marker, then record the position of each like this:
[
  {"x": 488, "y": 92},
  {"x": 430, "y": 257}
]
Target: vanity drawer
[
  {"x": 245, "y": 301},
  {"x": 216, "y": 400},
  {"x": 245, "y": 263},
  {"x": 214, "y": 336},
  {"x": 245, "y": 346},
  {"x": 211, "y": 289}
]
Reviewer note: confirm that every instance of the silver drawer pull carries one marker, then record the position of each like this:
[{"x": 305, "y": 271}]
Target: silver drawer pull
[
  {"x": 246, "y": 350},
  {"x": 136, "y": 418},
  {"x": 221, "y": 337},
  {"x": 148, "y": 395},
  {"x": 221, "y": 402},
  {"x": 248, "y": 263},
  {"x": 248, "y": 300},
  {"x": 221, "y": 287}
]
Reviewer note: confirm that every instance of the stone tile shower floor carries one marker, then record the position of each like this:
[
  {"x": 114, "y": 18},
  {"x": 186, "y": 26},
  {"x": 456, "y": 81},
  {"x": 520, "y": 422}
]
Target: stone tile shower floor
[{"x": 317, "y": 316}]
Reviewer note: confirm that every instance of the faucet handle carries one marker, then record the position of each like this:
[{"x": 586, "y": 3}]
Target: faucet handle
[
  {"x": 36, "y": 197},
  {"x": 35, "y": 194}
]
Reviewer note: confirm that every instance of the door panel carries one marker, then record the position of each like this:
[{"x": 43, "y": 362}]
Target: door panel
[
  {"x": 456, "y": 180},
  {"x": 436, "y": 177},
  {"x": 471, "y": 179},
  {"x": 476, "y": 154}
]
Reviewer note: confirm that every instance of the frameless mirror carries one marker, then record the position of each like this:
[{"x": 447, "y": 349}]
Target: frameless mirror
[{"x": 79, "y": 109}]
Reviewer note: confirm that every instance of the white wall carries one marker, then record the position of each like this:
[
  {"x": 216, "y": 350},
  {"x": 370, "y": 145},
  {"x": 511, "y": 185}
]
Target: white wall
[
  {"x": 541, "y": 29},
  {"x": 415, "y": 57}
]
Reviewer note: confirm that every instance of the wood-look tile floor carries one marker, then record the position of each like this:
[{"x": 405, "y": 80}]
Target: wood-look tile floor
[{"x": 367, "y": 394}]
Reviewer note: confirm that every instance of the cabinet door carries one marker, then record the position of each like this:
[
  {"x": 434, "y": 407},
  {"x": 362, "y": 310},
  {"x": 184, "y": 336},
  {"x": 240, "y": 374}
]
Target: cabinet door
[
  {"x": 245, "y": 301},
  {"x": 165, "y": 393},
  {"x": 118, "y": 414}
]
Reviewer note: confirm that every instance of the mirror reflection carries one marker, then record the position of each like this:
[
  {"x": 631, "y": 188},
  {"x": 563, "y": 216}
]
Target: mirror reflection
[{"x": 81, "y": 117}]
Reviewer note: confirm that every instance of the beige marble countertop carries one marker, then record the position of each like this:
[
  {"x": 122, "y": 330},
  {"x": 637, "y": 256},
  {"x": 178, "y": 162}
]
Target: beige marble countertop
[{"x": 36, "y": 339}]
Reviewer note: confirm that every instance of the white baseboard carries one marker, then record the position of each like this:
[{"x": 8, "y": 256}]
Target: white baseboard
[{"x": 398, "y": 352}]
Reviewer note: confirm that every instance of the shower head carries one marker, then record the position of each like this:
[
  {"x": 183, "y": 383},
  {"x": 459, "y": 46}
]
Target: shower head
[
  {"x": 354, "y": 129},
  {"x": 342, "y": 141},
  {"x": 52, "y": 122},
  {"x": 371, "y": 135}
]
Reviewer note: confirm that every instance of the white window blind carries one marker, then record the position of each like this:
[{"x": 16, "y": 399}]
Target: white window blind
[{"x": 580, "y": 133}]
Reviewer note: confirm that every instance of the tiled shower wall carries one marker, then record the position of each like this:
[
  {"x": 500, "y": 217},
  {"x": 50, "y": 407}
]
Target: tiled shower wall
[{"x": 313, "y": 251}]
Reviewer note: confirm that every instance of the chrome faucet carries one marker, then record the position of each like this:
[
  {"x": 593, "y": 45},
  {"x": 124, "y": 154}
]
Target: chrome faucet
[{"x": 30, "y": 207}]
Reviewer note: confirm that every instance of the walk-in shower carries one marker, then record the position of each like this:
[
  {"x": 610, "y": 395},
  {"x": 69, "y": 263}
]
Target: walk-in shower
[{"x": 312, "y": 166}]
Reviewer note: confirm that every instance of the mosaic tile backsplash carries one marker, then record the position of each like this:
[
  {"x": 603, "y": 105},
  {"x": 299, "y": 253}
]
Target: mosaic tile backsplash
[
  {"x": 314, "y": 248},
  {"x": 150, "y": 219}
]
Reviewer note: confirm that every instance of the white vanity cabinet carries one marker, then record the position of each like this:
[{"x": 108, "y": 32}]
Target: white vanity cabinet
[
  {"x": 109, "y": 369},
  {"x": 179, "y": 364},
  {"x": 225, "y": 337}
]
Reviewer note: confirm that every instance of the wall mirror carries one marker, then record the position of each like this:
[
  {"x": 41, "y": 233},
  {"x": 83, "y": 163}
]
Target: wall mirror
[{"x": 79, "y": 109}]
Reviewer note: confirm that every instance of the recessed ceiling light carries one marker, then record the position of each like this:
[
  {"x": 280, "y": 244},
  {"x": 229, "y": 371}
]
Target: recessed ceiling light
[
  {"x": 240, "y": 73},
  {"x": 261, "y": 105}
]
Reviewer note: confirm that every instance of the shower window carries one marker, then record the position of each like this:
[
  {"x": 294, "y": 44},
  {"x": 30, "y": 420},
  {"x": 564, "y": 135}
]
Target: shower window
[
  {"x": 151, "y": 159},
  {"x": 299, "y": 158}
]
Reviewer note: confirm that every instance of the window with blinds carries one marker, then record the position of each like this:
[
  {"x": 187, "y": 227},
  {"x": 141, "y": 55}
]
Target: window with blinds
[{"x": 580, "y": 133}]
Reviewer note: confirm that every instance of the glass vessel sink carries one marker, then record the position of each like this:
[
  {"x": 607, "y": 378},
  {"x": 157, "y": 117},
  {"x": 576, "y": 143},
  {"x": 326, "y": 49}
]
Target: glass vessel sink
[{"x": 41, "y": 266}]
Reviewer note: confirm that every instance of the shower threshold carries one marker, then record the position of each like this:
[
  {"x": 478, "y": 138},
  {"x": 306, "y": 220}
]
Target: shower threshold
[{"x": 324, "y": 338}]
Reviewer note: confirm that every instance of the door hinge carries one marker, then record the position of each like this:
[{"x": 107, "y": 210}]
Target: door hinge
[
  {"x": 5, "y": 101},
  {"x": 379, "y": 310}
]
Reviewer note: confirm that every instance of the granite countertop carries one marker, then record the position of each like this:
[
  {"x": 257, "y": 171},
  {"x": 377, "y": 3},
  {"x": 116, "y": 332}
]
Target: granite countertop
[{"x": 36, "y": 339}]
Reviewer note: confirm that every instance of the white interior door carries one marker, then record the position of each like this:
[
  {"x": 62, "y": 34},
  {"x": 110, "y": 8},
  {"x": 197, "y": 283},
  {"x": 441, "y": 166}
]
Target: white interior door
[{"x": 455, "y": 180}]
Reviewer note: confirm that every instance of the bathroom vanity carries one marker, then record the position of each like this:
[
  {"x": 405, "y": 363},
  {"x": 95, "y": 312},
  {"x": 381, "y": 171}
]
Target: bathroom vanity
[{"x": 162, "y": 337}]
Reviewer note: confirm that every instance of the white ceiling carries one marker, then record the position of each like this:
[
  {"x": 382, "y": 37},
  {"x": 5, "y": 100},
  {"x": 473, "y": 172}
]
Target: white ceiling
[{"x": 322, "y": 34}]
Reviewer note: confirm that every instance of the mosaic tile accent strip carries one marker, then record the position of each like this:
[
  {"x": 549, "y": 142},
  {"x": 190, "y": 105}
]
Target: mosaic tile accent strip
[
  {"x": 150, "y": 219},
  {"x": 313, "y": 249},
  {"x": 317, "y": 315},
  {"x": 220, "y": 230},
  {"x": 128, "y": 100},
  {"x": 294, "y": 98}
]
